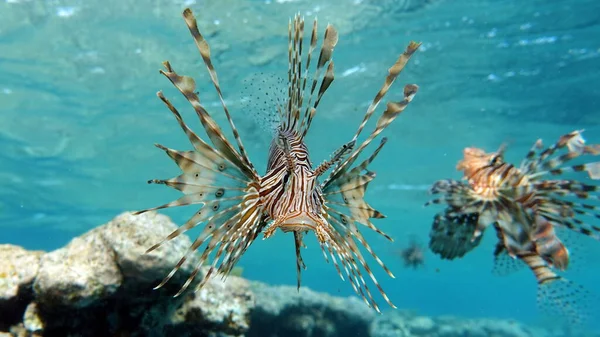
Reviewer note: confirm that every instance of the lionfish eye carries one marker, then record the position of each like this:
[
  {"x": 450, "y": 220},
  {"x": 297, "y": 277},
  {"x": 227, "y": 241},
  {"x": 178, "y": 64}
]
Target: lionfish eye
[
  {"x": 286, "y": 177},
  {"x": 279, "y": 142},
  {"x": 495, "y": 160}
]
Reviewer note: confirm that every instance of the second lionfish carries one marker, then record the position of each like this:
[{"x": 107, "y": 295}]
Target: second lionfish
[
  {"x": 526, "y": 205},
  {"x": 236, "y": 204}
]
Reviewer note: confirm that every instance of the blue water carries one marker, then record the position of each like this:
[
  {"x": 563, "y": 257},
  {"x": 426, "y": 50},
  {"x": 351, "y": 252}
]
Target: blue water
[{"x": 79, "y": 116}]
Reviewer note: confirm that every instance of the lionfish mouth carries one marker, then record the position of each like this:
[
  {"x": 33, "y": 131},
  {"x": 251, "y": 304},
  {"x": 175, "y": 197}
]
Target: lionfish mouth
[
  {"x": 295, "y": 223},
  {"x": 299, "y": 223}
]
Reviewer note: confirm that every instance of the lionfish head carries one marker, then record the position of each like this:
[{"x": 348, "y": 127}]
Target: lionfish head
[
  {"x": 300, "y": 222},
  {"x": 475, "y": 159}
]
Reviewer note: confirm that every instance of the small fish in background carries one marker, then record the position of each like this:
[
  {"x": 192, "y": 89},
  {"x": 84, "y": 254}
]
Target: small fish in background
[
  {"x": 236, "y": 204},
  {"x": 526, "y": 205},
  {"x": 413, "y": 255}
]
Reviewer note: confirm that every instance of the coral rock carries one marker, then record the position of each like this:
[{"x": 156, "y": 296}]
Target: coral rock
[
  {"x": 78, "y": 275},
  {"x": 283, "y": 311},
  {"x": 31, "y": 319},
  {"x": 129, "y": 236},
  {"x": 18, "y": 268},
  {"x": 223, "y": 307}
]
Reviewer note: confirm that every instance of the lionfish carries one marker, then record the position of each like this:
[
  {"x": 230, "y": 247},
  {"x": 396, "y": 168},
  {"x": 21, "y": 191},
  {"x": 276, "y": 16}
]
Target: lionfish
[
  {"x": 525, "y": 205},
  {"x": 412, "y": 255},
  {"x": 236, "y": 204}
]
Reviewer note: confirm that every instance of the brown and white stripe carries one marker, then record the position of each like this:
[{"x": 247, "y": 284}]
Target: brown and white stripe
[{"x": 236, "y": 204}]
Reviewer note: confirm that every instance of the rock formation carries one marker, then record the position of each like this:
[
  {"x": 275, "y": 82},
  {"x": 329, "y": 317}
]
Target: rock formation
[{"x": 100, "y": 284}]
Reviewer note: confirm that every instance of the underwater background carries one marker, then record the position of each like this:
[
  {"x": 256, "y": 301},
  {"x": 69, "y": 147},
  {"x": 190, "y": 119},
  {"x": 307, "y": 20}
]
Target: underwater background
[{"x": 79, "y": 117}]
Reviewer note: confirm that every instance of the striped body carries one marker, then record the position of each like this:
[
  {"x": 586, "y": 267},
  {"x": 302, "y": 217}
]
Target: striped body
[
  {"x": 292, "y": 194},
  {"x": 236, "y": 204},
  {"x": 525, "y": 207}
]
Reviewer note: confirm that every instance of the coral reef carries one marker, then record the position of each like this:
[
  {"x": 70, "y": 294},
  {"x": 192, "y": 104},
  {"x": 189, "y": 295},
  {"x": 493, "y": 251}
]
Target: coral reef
[
  {"x": 283, "y": 311},
  {"x": 407, "y": 324},
  {"x": 100, "y": 284}
]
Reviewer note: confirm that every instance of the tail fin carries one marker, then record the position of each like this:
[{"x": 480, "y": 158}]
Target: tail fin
[
  {"x": 505, "y": 264},
  {"x": 539, "y": 238},
  {"x": 559, "y": 297}
]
